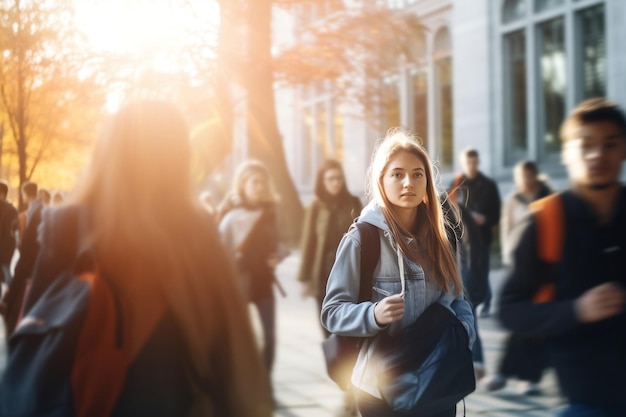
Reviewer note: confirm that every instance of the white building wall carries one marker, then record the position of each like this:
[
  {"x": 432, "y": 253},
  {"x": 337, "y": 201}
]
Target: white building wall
[{"x": 472, "y": 77}]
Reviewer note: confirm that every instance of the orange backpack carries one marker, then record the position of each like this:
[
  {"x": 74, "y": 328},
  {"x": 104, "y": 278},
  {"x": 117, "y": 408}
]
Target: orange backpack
[{"x": 549, "y": 214}]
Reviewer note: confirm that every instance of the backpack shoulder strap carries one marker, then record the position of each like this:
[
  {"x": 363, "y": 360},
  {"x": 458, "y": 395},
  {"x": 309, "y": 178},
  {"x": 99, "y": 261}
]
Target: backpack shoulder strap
[
  {"x": 549, "y": 214},
  {"x": 370, "y": 253}
]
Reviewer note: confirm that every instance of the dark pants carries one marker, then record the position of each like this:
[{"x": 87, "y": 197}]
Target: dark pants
[
  {"x": 485, "y": 259},
  {"x": 524, "y": 358},
  {"x": 477, "y": 347},
  {"x": 370, "y": 406},
  {"x": 267, "y": 313}
]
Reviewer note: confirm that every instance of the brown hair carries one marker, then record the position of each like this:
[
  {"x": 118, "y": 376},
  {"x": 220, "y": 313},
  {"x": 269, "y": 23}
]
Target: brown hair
[
  {"x": 147, "y": 231},
  {"x": 593, "y": 110},
  {"x": 438, "y": 257}
]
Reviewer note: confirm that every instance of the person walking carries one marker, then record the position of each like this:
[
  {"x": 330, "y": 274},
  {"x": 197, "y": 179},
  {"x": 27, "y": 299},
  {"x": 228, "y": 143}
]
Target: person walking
[
  {"x": 28, "y": 221},
  {"x": 583, "y": 317},
  {"x": 524, "y": 358},
  {"x": 326, "y": 220},
  {"x": 480, "y": 195},
  {"x": 8, "y": 226},
  {"x": 249, "y": 231},
  {"x": 417, "y": 265},
  {"x": 191, "y": 342}
]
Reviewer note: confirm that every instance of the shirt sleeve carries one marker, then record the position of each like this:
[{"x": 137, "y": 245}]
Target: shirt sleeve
[{"x": 341, "y": 311}]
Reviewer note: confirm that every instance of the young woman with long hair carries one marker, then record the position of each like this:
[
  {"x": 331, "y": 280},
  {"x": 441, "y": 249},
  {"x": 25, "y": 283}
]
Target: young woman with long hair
[
  {"x": 414, "y": 248},
  {"x": 249, "y": 231},
  {"x": 191, "y": 343},
  {"x": 327, "y": 218}
]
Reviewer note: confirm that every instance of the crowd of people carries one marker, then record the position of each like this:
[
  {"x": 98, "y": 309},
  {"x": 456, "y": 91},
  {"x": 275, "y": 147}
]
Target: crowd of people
[{"x": 187, "y": 269}]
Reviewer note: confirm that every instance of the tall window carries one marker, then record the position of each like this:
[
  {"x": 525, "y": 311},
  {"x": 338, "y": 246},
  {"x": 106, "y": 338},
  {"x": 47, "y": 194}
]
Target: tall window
[
  {"x": 444, "y": 107},
  {"x": 321, "y": 130},
  {"x": 391, "y": 102},
  {"x": 552, "y": 66},
  {"x": 515, "y": 95},
  {"x": 592, "y": 65},
  {"x": 419, "y": 86},
  {"x": 553, "y": 55}
]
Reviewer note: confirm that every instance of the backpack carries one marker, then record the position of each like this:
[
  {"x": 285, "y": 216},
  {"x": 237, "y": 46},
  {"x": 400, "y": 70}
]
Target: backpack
[
  {"x": 340, "y": 352},
  {"x": 69, "y": 354},
  {"x": 549, "y": 214}
]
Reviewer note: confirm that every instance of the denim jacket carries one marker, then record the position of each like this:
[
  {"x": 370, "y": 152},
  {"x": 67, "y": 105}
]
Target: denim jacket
[{"x": 342, "y": 314}]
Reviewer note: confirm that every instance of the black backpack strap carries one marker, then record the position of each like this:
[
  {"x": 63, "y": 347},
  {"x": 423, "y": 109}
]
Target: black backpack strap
[{"x": 370, "y": 253}]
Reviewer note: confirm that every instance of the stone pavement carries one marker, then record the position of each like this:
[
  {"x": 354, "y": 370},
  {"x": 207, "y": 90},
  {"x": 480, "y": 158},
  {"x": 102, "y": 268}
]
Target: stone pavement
[{"x": 302, "y": 388}]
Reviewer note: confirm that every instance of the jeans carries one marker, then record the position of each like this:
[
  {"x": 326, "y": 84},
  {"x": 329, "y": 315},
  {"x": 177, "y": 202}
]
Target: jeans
[
  {"x": 477, "y": 347},
  {"x": 370, "y": 406},
  {"x": 267, "y": 313}
]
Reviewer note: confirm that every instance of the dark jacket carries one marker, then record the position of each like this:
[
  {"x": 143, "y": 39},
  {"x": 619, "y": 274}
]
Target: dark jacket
[
  {"x": 480, "y": 195},
  {"x": 590, "y": 359},
  {"x": 8, "y": 224},
  {"x": 29, "y": 250},
  {"x": 324, "y": 225}
]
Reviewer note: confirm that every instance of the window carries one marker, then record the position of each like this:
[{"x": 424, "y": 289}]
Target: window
[
  {"x": 592, "y": 65},
  {"x": 444, "y": 104},
  {"x": 513, "y": 10},
  {"x": 515, "y": 95},
  {"x": 552, "y": 68},
  {"x": 542, "y": 5},
  {"x": 321, "y": 130},
  {"x": 419, "y": 86},
  {"x": 552, "y": 56},
  {"x": 391, "y": 102}
]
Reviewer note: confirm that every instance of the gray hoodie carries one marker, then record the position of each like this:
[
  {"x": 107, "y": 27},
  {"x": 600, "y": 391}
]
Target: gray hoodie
[{"x": 343, "y": 315}]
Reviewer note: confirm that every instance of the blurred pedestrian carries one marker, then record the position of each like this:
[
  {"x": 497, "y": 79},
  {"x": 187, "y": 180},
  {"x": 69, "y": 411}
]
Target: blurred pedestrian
[
  {"x": 249, "y": 230},
  {"x": 58, "y": 198},
  {"x": 480, "y": 196},
  {"x": 191, "y": 342},
  {"x": 326, "y": 220},
  {"x": 583, "y": 317},
  {"x": 45, "y": 197},
  {"x": 8, "y": 223},
  {"x": 524, "y": 358},
  {"x": 29, "y": 221},
  {"x": 417, "y": 266}
]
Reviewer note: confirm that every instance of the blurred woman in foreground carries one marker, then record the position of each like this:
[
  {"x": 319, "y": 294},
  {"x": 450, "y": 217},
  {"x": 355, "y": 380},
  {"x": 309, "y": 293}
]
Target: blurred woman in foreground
[{"x": 191, "y": 344}]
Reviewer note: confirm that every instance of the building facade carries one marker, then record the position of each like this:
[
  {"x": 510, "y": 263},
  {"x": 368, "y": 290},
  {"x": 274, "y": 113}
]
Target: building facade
[{"x": 496, "y": 75}]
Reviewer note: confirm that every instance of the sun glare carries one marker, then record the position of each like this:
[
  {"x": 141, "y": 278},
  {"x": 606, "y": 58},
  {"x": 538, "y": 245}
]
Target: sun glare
[
  {"x": 147, "y": 30},
  {"x": 140, "y": 25}
]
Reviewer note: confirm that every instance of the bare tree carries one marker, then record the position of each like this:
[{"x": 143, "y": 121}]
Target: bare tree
[{"x": 43, "y": 82}]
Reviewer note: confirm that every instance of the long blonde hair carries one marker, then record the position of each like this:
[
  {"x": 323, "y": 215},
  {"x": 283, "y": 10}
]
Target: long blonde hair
[
  {"x": 433, "y": 249},
  {"x": 148, "y": 227},
  {"x": 237, "y": 196}
]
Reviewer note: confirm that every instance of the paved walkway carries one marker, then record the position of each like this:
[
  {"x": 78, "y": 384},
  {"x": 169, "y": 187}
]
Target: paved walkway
[{"x": 302, "y": 388}]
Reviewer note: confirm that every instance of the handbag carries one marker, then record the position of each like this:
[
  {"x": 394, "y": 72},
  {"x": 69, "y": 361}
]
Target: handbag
[{"x": 428, "y": 367}]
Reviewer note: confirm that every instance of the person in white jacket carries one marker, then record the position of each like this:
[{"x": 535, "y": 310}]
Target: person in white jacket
[{"x": 417, "y": 265}]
